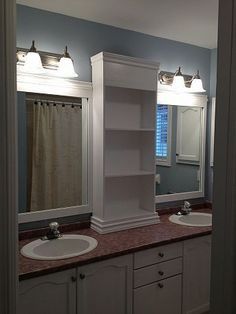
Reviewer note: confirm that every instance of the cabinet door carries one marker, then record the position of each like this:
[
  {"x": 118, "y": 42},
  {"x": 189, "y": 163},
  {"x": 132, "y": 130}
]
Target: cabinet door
[
  {"x": 162, "y": 297},
  {"x": 54, "y": 293},
  {"x": 188, "y": 134},
  {"x": 196, "y": 275},
  {"x": 105, "y": 287}
]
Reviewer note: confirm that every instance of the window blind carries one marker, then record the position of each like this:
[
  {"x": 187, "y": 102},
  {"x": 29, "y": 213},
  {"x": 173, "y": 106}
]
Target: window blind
[{"x": 162, "y": 131}]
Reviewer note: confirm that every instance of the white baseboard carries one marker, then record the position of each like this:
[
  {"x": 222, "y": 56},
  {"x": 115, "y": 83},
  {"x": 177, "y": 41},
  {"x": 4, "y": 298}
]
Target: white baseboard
[{"x": 112, "y": 225}]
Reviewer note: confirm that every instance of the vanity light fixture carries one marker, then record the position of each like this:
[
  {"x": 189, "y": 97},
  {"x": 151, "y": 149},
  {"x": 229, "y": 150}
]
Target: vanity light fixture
[
  {"x": 178, "y": 81},
  {"x": 52, "y": 64},
  {"x": 66, "y": 66},
  {"x": 33, "y": 63},
  {"x": 181, "y": 82},
  {"x": 196, "y": 84}
]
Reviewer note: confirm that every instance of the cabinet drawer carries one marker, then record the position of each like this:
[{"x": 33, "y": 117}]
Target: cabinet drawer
[
  {"x": 157, "y": 255},
  {"x": 157, "y": 272},
  {"x": 162, "y": 297},
  {"x": 130, "y": 76}
]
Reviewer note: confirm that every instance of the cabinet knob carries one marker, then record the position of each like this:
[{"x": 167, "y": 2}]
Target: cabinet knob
[
  {"x": 160, "y": 285},
  {"x": 161, "y": 273},
  {"x": 161, "y": 254},
  {"x": 82, "y": 276},
  {"x": 73, "y": 278}
]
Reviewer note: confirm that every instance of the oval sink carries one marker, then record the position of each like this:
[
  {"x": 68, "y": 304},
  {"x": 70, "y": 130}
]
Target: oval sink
[
  {"x": 65, "y": 247},
  {"x": 193, "y": 219}
]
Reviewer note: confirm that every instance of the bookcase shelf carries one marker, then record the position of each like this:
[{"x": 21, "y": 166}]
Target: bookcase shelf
[
  {"x": 124, "y": 107},
  {"x": 129, "y": 108}
]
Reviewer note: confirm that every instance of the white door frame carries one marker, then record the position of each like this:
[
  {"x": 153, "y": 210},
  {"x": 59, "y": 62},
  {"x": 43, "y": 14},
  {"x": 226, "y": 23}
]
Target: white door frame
[
  {"x": 224, "y": 257},
  {"x": 8, "y": 160},
  {"x": 223, "y": 285}
]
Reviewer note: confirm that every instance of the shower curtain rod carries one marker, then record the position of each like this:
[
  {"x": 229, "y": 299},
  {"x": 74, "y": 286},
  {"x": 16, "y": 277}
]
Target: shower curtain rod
[{"x": 56, "y": 102}]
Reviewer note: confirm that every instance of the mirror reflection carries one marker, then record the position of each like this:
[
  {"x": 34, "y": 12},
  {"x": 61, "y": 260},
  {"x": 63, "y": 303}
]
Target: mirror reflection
[
  {"x": 178, "y": 149},
  {"x": 52, "y": 151}
]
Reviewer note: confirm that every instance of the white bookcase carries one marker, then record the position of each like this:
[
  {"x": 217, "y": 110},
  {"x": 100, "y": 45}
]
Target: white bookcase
[{"x": 124, "y": 104}]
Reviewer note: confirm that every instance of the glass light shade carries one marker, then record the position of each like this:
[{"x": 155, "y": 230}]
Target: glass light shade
[
  {"x": 197, "y": 86},
  {"x": 33, "y": 63},
  {"x": 178, "y": 83},
  {"x": 66, "y": 68}
]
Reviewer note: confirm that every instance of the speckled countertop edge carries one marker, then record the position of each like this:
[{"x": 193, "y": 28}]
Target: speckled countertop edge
[{"x": 112, "y": 245}]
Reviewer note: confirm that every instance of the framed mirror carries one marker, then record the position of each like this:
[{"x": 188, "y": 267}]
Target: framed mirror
[
  {"x": 54, "y": 147},
  {"x": 180, "y": 146}
]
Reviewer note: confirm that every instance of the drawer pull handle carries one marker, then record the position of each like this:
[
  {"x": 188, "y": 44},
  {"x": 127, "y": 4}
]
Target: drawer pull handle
[
  {"x": 73, "y": 278},
  {"x": 161, "y": 254},
  {"x": 160, "y": 285},
  {"x": 82, "y": 276},
  {"x": 161, "y": 273}
]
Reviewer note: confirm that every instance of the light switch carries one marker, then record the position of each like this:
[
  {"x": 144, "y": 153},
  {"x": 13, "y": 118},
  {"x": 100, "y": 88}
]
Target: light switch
[{"x": 158, "y": 178}]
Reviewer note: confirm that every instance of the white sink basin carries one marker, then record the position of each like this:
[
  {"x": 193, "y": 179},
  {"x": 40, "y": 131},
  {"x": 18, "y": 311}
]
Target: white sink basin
[
  {"x": 65, "y": 247},
  {"x": 193, "y": 219}
]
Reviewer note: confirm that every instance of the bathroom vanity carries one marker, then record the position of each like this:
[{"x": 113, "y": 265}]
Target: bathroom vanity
[
  {"x": 154, "y": 268},
  {"x": 163, "y": 268}
]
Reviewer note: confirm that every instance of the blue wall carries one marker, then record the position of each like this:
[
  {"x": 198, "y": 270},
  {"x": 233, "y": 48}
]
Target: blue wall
[{"x": 53, "y": 31}]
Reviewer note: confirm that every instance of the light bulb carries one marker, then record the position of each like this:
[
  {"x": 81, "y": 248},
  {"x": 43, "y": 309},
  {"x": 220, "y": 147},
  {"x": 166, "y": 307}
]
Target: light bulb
[
  {"x": 33, "y": 63},
  {"x": 196, "y": 85},
  {"x": 178, "y": 81},
  {"x": 66, "y": 66}
]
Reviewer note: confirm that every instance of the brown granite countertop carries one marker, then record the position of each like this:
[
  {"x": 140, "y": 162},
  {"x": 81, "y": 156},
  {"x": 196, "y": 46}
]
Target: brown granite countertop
[{"x": 113, "y": 244}]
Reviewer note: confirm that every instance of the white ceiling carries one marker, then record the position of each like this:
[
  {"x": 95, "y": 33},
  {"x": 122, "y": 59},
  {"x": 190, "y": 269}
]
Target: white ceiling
[{"x": 190, "y": 21}]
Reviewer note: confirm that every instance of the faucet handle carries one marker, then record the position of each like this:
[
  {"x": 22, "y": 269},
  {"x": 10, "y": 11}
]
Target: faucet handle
[
  {"x": 53, "y": 233},
  {"x": 187, "y": 204},
  {"x": 54, "y": 225}
]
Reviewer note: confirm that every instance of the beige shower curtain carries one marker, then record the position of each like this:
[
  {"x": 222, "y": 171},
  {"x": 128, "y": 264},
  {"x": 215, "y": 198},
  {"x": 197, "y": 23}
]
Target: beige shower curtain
[{"x": 56, "y": 155}]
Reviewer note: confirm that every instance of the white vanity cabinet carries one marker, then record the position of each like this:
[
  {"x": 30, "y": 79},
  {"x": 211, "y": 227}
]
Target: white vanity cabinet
[
  {"x": 99, "y": 288},
  {"x": 105, "y": 287},
  {"x": 54, "y": 293},
  {"x": 173, "y": 279},
  {"x": 170, "y": 279},
  {"x": 158, "y": 280},
  {"x": 196, "y": 275}
]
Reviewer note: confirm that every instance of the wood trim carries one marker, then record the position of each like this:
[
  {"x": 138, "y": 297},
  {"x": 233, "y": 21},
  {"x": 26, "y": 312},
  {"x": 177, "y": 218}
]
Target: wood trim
[
  {"x": 46, "y": 84},
  {"x": 166, "y": 96},
  {"x": 117, "y": 58},
  {"x": 178, "y": 196},
  {"x": 8, "y": 160},
  {"x": 49, "y": 84},
  {"x": 224, "y": 196}
]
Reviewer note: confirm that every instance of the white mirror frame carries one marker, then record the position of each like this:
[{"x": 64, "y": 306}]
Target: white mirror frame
[
  {"x": 167, "y": 97},
  {"x": 45, "y": 84}
]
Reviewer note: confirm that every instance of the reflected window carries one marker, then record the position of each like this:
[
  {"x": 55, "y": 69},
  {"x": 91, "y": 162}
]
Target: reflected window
[{"x": 163, "y": 134}]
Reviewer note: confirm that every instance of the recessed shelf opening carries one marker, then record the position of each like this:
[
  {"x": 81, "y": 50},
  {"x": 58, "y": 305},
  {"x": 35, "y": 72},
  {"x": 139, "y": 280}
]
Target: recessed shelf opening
[
  {"x": 128, "y": 196},
  {"x": 129, "y": 108},
  {"x": 129, "y": 153}
]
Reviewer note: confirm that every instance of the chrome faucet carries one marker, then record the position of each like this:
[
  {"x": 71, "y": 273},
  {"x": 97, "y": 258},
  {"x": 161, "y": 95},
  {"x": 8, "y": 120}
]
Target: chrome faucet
[
  {"x": 186, "y": 209},
  {"x": 53, "y": 232}
]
